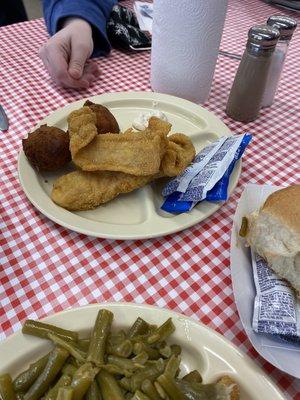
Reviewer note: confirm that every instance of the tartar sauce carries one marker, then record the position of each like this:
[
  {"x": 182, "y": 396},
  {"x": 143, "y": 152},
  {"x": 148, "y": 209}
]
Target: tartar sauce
[{"x": 140, "y": 123}]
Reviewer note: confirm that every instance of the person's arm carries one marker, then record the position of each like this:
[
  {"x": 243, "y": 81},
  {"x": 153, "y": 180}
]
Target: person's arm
[
  {"x": 79, "y": 29},
  {"x": 95, "y": 12}
]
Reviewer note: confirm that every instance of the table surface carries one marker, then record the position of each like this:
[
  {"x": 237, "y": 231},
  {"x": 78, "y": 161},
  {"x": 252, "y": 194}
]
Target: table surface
[{"x": 46, "y": 268}]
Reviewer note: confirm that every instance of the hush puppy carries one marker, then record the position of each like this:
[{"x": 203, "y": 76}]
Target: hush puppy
[
  {"x": 106, "y": 122},
  {"x": 47, "y": 148}
]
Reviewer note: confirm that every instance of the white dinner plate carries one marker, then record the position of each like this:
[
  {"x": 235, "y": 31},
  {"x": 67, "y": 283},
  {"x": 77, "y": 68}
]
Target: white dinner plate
[
  {"x": 283, "y": 355},
  {"x": 136, "y": 215},
  {"x": 202, "y": 348}
]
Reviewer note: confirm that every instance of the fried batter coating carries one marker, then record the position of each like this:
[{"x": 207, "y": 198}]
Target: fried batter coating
[
  {"x": 128, "y": 161},
  {"x": 105, "y": 121},
  {"x": 47, "y": 148},
  {"x": 137, "y": 153},
  {"x": 179, "y": 155},
  {"x": 81, "y": 190},
  {"x": 82, "y": 129}
]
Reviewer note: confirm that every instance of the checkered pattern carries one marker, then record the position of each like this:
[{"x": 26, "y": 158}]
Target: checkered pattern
[{"x": 46, "y": 268}]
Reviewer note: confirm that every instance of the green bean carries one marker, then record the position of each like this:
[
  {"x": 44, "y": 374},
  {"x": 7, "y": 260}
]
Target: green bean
[
  {"x": 162, "y": 332},
  {"x": 116, "y": 370},
  {"x": 139, "y": 327},
  {"x": 69, "y": 346},
  {"x": 69, "y": 369},
  {"x": 40, "y": 329},
  {"x": 122, "y": 362},
  {"x": 65, "y": 393},
  {"x": 193, "y": 376},
  {"x": 26, "y": 378},
  {"x": 138, "y": 395},
  {"x": 56, "y": 360},
  {"x": 150, "y": 390},
  {"x": 6, "y": 388},
  {"x": 73, "y": 361},
  {"x": 172, "y": 366},
  {"x": 141, "y": 347},
  {"x": 160, "y": 390},
  {"x": 140, "y": 358},
  {"x": 64, "y": 380},
  {"x": 196, "y": 391},
  {"x": 170, "y": 387},
  {"x": 151, "y": 373},
  {"x": 165, "y": 351},
  {"x": 83, "y": 344},
  {"x": 123, "y": 349},
  {"x": 94, "y": 392},
  {"x": 99, "y": 337},
  {"x": 109, "y": 387},
  {"x": 116, "y": 338},
  {"x": 176, "y": 349},
  {"x": 125, "y": 384},
  {"x": 82, "y": 380}
]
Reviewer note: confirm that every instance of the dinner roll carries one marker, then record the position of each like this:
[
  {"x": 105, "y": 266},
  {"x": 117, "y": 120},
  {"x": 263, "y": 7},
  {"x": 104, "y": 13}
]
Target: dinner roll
[{"x": 274, "y": 233}]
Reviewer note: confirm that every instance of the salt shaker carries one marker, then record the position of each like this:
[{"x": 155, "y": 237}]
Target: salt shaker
[
  {"x": 286, "y": 27},
  {"x": 246, "y": 94}
]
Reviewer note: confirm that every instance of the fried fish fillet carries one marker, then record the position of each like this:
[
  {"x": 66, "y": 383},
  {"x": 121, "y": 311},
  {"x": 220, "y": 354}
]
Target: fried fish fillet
[
  {"x": 82, "y": 190},
  {"x": 180, "y": 153},
  {"x": 136, "y": 153},
  {"x": 85, "y": 190},
  {"x": 82, "y": 129}
]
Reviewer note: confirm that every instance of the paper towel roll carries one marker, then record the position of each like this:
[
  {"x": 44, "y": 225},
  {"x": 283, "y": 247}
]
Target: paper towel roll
[{"x": 186, "y": 36}]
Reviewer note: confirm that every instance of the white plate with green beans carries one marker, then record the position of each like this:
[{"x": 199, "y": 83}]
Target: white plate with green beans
[{"x": 123, "y": 351}]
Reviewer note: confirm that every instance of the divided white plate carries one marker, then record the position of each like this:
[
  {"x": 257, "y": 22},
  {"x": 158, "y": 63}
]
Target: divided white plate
[
  {"x": 282, "y": 355},
  {"x": 136, "y": 215},
  {"x": 202, "y": 348}
]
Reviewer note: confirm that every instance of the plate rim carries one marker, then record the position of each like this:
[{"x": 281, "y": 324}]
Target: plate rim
[
  {"x": 247, "y": 362},
  {"x": 92, "y": 231}
]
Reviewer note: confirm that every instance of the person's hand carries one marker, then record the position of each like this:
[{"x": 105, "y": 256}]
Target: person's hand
[{"x": 66, "y": 54}]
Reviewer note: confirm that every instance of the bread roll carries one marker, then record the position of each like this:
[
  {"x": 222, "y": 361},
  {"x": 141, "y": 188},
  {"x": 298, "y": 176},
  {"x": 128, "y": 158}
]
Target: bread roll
[{"x": 274, "y": 233}]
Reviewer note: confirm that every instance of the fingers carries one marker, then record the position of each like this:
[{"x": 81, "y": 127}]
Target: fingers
[
  {"x": 91, "y": 72},
  {"x": 79, "y": 56},
  {"x": 55, "y": 62}
]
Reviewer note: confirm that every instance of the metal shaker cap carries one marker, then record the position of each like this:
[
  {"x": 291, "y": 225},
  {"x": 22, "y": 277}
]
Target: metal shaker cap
[
  {"x": 285, "y": 25},
  {"x": 263, "y": 36}
]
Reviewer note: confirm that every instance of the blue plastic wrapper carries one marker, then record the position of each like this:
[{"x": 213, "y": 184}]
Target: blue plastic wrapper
[
  {"x": 175, "y": 203},
  {"x": 220, "y": 191}
]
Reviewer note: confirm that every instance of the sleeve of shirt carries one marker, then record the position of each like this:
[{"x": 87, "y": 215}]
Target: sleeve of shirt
[{"x": 96, "y": 12}]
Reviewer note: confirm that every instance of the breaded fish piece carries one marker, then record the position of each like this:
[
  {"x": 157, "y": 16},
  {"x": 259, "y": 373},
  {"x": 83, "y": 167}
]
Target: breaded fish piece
[
  {"x": 131, "y": 153},
  {"x": 136, "y": 153},
  {"x": 82, "y": 129},
  {"x": 180, "y": 153},
  {"x": 81, "y": 190}
]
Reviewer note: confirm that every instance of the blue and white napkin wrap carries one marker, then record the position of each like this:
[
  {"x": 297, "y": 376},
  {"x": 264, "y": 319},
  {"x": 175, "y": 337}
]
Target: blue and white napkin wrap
[{"x": 208, "y": 176}]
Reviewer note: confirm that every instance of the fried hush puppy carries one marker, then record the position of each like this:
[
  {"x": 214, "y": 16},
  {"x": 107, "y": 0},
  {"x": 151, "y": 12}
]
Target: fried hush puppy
[
  {"x": 47, "y": 148},
  {"x": 105, "y": 121}
]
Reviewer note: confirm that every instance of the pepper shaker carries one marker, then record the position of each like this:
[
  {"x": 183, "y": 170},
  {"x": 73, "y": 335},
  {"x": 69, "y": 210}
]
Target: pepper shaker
[
  {"x": 246, "y": 94},
  {"x": 286, "y": 27}
]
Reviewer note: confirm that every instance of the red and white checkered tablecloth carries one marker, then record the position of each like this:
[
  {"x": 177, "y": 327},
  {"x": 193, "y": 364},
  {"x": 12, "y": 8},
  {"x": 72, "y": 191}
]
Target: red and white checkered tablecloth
[{"x": 46, "y": 268}]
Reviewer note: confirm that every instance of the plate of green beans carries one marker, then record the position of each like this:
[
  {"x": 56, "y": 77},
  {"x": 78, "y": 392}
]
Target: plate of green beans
[{"x": 124, "y": 351}]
